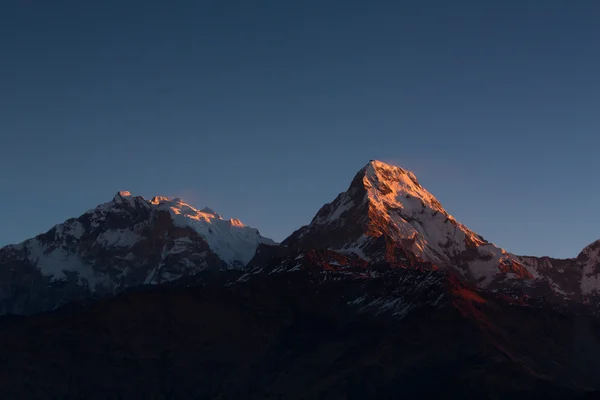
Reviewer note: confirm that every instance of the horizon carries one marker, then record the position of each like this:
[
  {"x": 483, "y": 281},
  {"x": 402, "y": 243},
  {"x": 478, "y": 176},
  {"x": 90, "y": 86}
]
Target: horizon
[
  {"x": 278, "y": 240},
  {"x": 264, "y": 111}
]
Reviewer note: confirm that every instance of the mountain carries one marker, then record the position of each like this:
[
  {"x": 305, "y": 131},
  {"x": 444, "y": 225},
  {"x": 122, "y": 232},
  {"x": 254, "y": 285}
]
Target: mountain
[
  {"x": 124, "y": 243},
  {"x": 387, "y": 215},
  {"x": 382, "y": 295},
  {"x": 576, "y": 279},
  {"x": 385, "y": 210}
]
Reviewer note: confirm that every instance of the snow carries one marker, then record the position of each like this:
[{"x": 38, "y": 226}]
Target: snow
[
  {"x": 121, "y": 203},
  {"x": 243, "y": 278},
  {"x": 396, "y": 305},
  {"x": 357, "y": 248},
  {"x": 62, "y": 259},
  {"x": 208, "y": 210},
  {"x": 180, "y": 245},
  {"x": 590, "y": 280},
  {"x": 56, "y": 262},
  {"x": 413, "y": 216},
  {"x": 280, "y": 268},
  {"x": 346, "y": 204},
  {"x": 158, "y": 199},
  {"x": 414, "y": 213},
  {"x": 123, "y": 194},
  {"x": 123, "y": 197},
  {"x": 296, "y": 267},
  {"x": 118, "y": 238},
  {"x": 71, "y": 228},
  {"x": 358, "y": 300},
  {"x": 400, "y": 183},
  {"x": 234, "y": 242},
  {"x": 485, "y": 271}
]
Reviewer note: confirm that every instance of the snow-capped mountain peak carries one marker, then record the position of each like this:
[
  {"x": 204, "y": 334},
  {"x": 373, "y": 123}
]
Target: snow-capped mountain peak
[
  {"x": 389, "y": 185},
  {"x": 122, "y": 196},
  {"x": 209, "y": 210},
  {"x": 156, "y": 200},
  {"x": 233, "y": 241},
  {"x": 387, "y": 205},
  {"x": 122, "y": 243},
  {"x": 396, "y": 194}
]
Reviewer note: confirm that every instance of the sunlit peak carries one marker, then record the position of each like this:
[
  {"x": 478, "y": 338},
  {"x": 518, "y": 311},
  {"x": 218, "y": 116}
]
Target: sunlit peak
[
  {"x": 236, "y": 222},
  {"x": 158, "y": 199}
]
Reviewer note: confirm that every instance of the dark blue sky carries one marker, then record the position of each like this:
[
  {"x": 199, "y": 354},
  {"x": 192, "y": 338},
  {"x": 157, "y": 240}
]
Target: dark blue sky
[{"x": 264, "y": 110}]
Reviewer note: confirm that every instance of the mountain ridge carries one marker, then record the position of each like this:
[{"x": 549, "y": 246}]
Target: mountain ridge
[
  {"x": 382, "y": 295},
  {"x": 385, "y": 215}
]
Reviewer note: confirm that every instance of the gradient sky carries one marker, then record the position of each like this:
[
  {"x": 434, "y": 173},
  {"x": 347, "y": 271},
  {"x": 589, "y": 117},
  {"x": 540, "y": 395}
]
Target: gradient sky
[{"x": 265, "y": 110}]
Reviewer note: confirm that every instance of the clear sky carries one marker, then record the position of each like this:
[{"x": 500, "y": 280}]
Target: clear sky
[{"x": 265, "y": 110}]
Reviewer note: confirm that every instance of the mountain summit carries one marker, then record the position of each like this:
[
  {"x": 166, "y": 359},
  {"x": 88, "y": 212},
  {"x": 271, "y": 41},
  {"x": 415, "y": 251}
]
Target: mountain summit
[
  {"x": 126, "y": 242},
  {"x": 386, "y": 215},
  {"x": 386, "y": 209}
]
